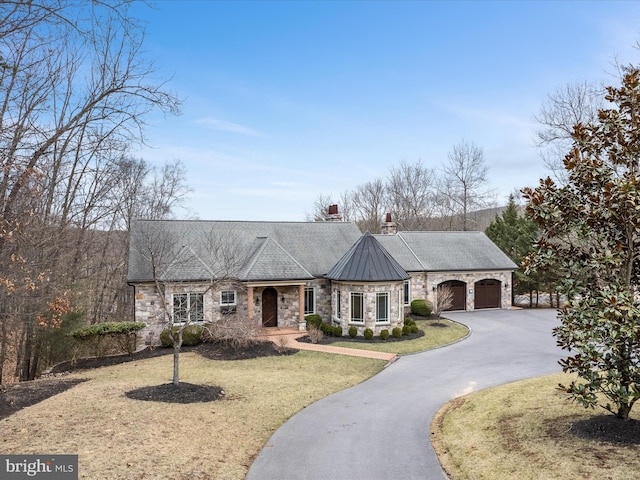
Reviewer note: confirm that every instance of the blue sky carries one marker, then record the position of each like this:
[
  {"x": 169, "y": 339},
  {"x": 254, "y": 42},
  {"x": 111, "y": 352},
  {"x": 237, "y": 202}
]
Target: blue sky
[{"x": 284, "y": 101}]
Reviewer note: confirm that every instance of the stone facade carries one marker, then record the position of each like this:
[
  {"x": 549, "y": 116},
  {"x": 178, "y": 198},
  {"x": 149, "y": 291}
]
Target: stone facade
[
  {"x": 341, "y": 297},
  {"x": 470, "y": 278},
  {"x": 290, "y": 300}
]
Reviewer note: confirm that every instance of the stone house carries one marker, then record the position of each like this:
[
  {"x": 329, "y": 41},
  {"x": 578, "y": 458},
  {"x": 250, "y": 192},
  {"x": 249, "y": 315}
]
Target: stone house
[{"x": 276, "y": 273}]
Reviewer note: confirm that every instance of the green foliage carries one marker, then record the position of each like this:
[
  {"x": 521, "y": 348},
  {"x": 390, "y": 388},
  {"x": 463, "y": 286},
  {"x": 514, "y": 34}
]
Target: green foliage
[
  {"x": 61, "y": 343},
  {"x": 590, "y": 236},
  {"x": 314, "y": 319},
  {"x": 191, "y": 336},
  {"x": 384, "y": 334},
  {"x": 421, "y": 307},
  {"x": 353, "y": 331},
  {"x": 396, "y": 332},
  {"x": 406, "y": 329},
  {"x": 409, "y": 321},
  {"x": 107, "y": 328},
  {"x": 368, "y": 333},
  {"x": 326, "y": 329},
  {"x": 94, "y": 336},
  {"x": 413, "y": 328},
  {"x": 337, "y": 331},
  {"x": 516, "y": 235}
]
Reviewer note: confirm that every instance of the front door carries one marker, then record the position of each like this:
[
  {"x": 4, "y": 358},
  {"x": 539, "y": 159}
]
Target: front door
[{"x": 269, "y": 307}]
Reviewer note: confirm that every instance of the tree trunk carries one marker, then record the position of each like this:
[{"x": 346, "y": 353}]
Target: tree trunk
[
  {"x": 176, "y": 365},
  {"x": 3, "y": 344},
  {"x": 623, "y": 411}
]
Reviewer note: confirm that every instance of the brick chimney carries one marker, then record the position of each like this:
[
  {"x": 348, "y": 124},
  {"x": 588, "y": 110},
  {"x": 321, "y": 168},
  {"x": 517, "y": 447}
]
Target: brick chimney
[
  {"x": 333, "y": 215},
  {"x": 389, "y": 227}
]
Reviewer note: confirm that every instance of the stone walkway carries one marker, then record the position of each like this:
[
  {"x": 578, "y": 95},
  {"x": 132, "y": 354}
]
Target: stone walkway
[{"x": 288, "y": 337}]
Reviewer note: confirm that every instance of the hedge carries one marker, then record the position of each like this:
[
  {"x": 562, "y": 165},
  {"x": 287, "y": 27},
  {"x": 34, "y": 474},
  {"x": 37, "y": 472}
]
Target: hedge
[{"x": 124, "y": 333}]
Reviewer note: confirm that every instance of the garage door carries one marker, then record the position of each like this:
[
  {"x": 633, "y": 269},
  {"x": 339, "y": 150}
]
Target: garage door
[
  {"x": 459, "y": 294},
  {"x": 487, "y": 294}
]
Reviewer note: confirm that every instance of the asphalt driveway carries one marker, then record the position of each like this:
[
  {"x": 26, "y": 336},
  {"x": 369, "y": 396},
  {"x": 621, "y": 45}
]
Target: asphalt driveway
[{"x": 380, "y": 428}]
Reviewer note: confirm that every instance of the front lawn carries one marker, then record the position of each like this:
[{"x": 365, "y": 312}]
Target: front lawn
[
  {"x": 120, "y": 438},
  {"x": 528, "y": 430}
]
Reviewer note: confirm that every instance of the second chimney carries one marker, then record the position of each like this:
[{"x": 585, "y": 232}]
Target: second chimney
[{"x": 389, "y": 227}]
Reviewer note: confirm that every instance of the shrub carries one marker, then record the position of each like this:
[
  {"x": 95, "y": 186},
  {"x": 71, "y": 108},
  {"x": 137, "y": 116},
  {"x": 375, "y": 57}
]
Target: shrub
[
  {"x": 326, "y": 329},
  {"x": 236, "y": 330},
  {"x": 315, "y": 334},
  {"x": 337, "y": 331},
  {"x": 406, "y": 330},
  {"x": 124, "y": 333},
  {"x": 368, "y": 333},
  {"x": 191, "y": 335},
  {"x": 396, "y": 332},
  {"x": 384, "y": 334},
  {"x": 421, "y": 307},
  {"x": 353, "y": 331},
  {"x": 314, "y": 319},
  {"x": 414, "y": 328},
  {"x": 409, "y": 321}
]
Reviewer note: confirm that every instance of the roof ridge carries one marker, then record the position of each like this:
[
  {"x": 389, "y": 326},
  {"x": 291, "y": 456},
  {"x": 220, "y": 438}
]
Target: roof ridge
[
  {"x": 265, "y": 242},
  {"x": 178, "y": 257},
  {"x": 424, "y": 267}
]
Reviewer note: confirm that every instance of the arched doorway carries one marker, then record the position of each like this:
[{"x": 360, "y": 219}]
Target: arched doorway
[
  {"x": 459, "y": 290},
  {"x": 269, "y": 307},
  {"x": 487, "y": 294}
]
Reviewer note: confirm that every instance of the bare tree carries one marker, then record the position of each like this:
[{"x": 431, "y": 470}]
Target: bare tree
[
  {"x": 464, "y": 182},
  {"x": 572, "y": 104},
  {"x": 369, "y": 205},
  {"x": 443, "y": 300},
  {"x": 213, "y": 257},
  {"x": 74, "y": 93},
  {"x": 410, "y": 192}
]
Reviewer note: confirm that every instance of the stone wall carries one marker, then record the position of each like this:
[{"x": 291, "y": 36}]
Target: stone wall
[
  {"x": 150, "y": 310},
  {"x": 470, "y": 278},
  {"x": 369, "y": 291}
]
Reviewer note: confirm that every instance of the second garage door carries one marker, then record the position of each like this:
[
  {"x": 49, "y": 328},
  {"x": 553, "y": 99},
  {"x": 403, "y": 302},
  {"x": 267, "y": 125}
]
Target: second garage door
[{"x": 487, "y": 294}]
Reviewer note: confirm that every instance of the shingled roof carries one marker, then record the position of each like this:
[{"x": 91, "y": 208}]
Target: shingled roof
[
  {"x": 271, "y": 251},
  {"x": 260, "y": 250},
  {"x": 445, "y": 251},
  {"x": 367, "y": 261}
]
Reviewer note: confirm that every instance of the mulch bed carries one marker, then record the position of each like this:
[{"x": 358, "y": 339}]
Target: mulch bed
[
  {"x": 327, "y": 340},
  {"x": 608, "y": 428},
  {"x": 181, "y": 393},
  {"x": 14, "y": 397}
]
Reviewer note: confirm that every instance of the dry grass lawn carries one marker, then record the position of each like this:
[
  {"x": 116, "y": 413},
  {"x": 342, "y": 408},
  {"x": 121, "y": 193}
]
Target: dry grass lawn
[
  {"x": 119, "y": 438},
  {"x": 436, "y": 334},
  {"x": 524, "y": 430}
]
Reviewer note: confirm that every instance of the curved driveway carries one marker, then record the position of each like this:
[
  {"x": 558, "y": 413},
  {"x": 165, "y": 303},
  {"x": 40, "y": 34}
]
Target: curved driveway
[{"x": 380, "y": 428}]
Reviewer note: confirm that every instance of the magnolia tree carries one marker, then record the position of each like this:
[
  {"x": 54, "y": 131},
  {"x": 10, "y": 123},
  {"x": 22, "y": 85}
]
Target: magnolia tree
[{"x": 590, "y": 232}]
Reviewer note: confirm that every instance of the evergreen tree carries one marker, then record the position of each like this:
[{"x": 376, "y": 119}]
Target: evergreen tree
[{"x": 515, "y": 235}]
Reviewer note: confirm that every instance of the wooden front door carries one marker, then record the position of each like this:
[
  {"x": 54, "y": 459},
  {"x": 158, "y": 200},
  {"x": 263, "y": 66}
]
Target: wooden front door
[
  {"x": 269, "y": 307},
  {"x": 459, "y": 294}
]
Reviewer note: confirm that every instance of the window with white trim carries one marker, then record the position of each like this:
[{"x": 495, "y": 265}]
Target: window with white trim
[
  {"x": 188, "y": 307},
  {"x": 309, "y": 300},
  {"x": 407, "y": 292},
  {"x": 382, "y": 307},
  {"x": 228, "y": 301},
  {"x": 338, "y": 302},
  {"x": 227, "y": 297},
  {"x": 357, "y": 307}
]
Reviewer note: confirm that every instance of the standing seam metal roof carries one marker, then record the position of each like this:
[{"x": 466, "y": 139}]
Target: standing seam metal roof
[{"x": 367, "y": 261}]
